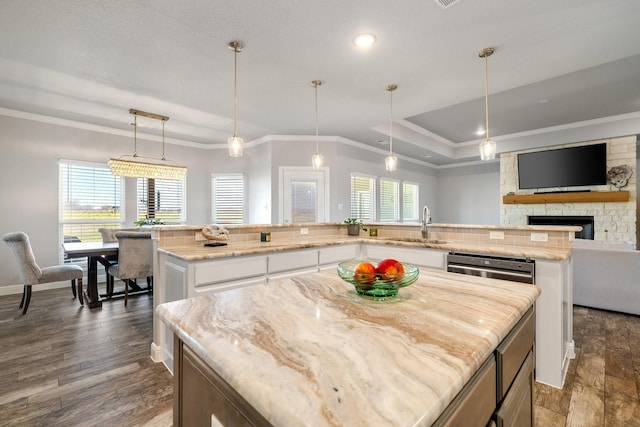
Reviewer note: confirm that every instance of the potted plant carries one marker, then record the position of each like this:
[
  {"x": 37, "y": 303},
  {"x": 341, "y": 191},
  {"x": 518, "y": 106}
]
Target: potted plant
[
  {"x": 147, "y": 221},
  {"x": 353, "y": 226}
]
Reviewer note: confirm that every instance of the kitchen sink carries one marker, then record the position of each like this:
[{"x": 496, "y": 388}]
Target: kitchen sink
[{"x": 416, "y": 240}]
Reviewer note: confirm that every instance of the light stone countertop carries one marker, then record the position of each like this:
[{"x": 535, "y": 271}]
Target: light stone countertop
[
  {"x": 240, "y": 248},
  {"x": 310, "y": 349}
]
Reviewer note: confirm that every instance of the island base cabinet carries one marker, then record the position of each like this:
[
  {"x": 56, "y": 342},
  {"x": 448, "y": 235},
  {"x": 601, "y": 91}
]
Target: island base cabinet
[
  {"x": 202, "y": 398},
  {"x": 474, "y": 405},
  {"x": 517, "y": 408}
]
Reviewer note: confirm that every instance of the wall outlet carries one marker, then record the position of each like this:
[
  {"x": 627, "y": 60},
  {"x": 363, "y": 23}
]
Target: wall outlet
[
  {"x": 199, "y": 237},
  {"x": 304, "y": 231},
  {"x": 496, "y": 235},
  {"x": 539, "y": 237}
]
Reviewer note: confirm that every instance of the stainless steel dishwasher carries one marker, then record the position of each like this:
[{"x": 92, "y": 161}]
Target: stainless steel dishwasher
[{"x": 495, "y": 267}]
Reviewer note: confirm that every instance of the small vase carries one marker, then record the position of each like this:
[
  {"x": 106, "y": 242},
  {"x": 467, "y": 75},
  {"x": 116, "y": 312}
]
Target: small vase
[{"x": 353, "y": 229}]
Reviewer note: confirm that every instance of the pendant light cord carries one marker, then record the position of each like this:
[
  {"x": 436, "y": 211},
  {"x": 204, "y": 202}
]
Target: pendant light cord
[
  {"x": 163, "y": 141},
  {"x": 390, "y": 122},
  {"x": 235, "y": 91},
  {"x": 486, "y": 94},
  {"x": 135, "y": 135},
  {"x": 316, "y": 107}
]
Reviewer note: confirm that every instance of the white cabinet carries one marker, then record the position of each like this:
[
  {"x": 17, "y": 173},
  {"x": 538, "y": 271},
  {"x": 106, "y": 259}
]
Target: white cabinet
[
  {"x": 329, "y": 257},
  {"x": 226, "y": 273},
  {"x": 554, "y": 321},
  {"x": 422, "y": 257},
  {"x": 291, "y": 263}
]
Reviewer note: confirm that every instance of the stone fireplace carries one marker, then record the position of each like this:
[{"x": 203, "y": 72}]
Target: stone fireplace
[
  {"x": 612, "y": 221},
  {"x": 586, "y": 222}
]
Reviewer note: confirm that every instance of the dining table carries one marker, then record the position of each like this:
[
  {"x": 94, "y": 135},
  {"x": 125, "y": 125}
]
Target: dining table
[{"x": 96, "y": 252}]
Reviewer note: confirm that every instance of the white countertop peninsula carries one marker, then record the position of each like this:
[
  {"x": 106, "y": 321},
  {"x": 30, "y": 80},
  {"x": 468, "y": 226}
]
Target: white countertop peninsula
[
  {"x": 184, "y": 268},
  {"x": 181, "y": 241},
  {"x": 310, "y": 348}
]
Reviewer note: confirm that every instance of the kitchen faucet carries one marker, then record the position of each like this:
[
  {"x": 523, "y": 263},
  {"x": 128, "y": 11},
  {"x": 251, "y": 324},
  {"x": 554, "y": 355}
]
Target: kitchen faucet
[{"x": 426, "y": 219}]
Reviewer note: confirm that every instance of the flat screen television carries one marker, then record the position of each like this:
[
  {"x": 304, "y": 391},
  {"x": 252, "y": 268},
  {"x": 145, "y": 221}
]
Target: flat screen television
[{"x": 564, "y": 167}]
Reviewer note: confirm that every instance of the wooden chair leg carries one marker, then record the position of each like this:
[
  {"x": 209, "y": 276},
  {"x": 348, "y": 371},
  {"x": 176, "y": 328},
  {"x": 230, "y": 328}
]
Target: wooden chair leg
[
  {"x": 126, "y": 290},
  {"x": 27, "y": 300},
  {"x": 24, "y": 294},
  {"x": 79, "y": 283},
  {"x": 73, "y": 288}
]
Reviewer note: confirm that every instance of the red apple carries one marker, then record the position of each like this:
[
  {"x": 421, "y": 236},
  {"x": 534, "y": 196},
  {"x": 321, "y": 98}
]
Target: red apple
[
  {"x": 365, "y": 272},
  {"x": 390, "y": 269}
]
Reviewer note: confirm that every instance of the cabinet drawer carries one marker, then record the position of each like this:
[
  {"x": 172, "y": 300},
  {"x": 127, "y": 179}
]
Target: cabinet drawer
[
  {"x": 475, "y": 404},
  {"x": 229, "y": 269},
  {"x": 511, "y": 353},
  {"x": 293, "y": 260},
  {"x": 424, "y": 257},
  {"x": 517, "y": 408},
  {"x": 337, "y": 254}
]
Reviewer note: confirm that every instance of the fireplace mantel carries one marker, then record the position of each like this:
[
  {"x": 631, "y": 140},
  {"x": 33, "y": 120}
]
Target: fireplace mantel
[{"x": 573, "y": 197}]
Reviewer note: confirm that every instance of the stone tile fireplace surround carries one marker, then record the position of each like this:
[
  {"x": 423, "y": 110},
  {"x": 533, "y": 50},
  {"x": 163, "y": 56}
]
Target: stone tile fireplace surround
[{"x": 613, "y": 221}]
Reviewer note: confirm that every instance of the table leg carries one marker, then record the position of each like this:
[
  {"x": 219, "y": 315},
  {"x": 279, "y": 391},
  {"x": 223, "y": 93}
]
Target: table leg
[{"x": 92, "y": 297}]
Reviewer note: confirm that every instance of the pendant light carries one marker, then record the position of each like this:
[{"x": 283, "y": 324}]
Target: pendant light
[
  {"x": 318, "y": 159},
  {"x": 391, "y": 161},
  {"x": 487, "y": 147},
  {"x": 134, "y": 167},
  {"x": 235, "y": 143}
]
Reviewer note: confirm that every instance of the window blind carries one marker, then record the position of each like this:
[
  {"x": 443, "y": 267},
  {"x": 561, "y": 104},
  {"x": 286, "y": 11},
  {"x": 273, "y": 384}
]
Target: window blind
[
  {"x": 162, "y": 199},
  {"x": 410, "y": 202},
  {"x": 363, "y": 197},
  {"x": 227, "y": 199},
  {"x": 89, "y": 198},
  {"x": 389, "y": 200}
]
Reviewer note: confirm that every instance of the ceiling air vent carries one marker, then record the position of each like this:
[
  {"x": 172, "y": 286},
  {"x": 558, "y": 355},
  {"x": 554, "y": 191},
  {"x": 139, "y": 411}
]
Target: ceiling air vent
[{"x": 446, "y": 3}]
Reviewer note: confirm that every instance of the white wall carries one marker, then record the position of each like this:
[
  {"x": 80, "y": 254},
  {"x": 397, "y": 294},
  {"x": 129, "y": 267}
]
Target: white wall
[
  {"x": 352, "y": 159},
  {"x": 469, "y": 194},
  {"x": 30, "y": 150},
  {"x": 29, "y": 154}
]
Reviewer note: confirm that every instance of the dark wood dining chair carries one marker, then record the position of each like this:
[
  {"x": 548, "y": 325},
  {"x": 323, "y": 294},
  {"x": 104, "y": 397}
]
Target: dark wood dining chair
[
  {"x": 31, "y": 274},
  {"x": 135, "y": 259}
]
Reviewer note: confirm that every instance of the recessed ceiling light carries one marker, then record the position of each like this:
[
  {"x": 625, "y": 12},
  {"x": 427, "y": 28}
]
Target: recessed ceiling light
[
  {"x": 480, "y": 131},
  {"x": 364, "y": 40},
  {"x": 426, "y": 156},
  {"x": 543, "y": 101}
]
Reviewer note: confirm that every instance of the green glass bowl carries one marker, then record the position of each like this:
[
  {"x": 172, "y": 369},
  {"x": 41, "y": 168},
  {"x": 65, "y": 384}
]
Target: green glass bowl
[{"x": 378, "y": 288}]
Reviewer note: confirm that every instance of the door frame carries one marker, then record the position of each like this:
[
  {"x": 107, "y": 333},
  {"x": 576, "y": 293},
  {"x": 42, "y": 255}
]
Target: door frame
[{"x": 327, "y": 198}]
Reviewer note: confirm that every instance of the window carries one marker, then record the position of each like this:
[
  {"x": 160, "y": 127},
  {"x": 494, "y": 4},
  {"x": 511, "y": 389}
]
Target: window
[
  {"x": 162, "y": 199},
  {"x": 227, "y": 199},
  {"x": 89, "y": 198},
  {"x": 303, "y": 201},
  {"x": 389, "y": 200},
  {"x": 363, "y": 197},
  {"x": 410, "y": 202}
]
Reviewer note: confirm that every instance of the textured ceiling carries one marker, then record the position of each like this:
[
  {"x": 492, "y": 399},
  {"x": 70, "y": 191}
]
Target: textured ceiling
[{"x": 557, "y": 65}]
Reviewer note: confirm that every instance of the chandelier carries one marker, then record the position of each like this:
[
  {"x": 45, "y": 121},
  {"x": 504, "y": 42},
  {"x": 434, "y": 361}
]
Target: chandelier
[{"x": 134, "y": 166}]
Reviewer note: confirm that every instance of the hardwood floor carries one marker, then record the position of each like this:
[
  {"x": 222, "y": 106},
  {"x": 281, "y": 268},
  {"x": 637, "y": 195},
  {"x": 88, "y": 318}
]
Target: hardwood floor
[
  {"x": 601, "y": 388},
  {"x": 63, "y": 365}
]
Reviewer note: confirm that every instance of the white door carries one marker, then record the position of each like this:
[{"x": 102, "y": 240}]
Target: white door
[{"x": 304, "y": 195}]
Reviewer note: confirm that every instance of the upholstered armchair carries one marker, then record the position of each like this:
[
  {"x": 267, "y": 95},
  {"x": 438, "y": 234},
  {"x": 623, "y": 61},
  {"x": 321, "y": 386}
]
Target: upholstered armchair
[
  {"x": 31, "y": 274},
  {"x": 135, "y": 259},
  {"x": 109, "y": 236}
]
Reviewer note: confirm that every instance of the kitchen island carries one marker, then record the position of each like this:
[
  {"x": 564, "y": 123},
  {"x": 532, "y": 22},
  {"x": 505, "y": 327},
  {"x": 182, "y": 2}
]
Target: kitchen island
[{"x": 309, "y": 349}]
